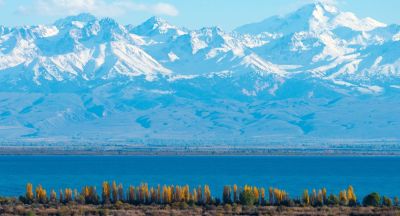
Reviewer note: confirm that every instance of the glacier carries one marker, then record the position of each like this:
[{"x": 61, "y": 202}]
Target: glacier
[{"x": 314, "y": 74}]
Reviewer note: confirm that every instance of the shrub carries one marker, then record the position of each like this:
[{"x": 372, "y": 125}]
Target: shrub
[
  {"x": 24, "y": 200},
  {"x": 396, "y": 201},
  {"x": 228, "y": 207},
  {"x": 333, "y": 200},
  {"x": 31, "y": 213},
  {"x": 372, "y": 199},
  {"x": 183, "y": 205},
  {"x": 247, "y": 197},
  {"x": 386, "y": 201},
  {"x": 119, "y": 204},
  {"x": 288, "y": 203},
  {"x": 216, "y": 201},
  {"x": 297, "y": 201}
]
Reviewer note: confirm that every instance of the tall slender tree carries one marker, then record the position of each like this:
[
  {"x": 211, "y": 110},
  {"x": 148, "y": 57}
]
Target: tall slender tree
[
  {"x": 351, "y": 196},
  {"x": 235, "y": 193},
  {"x": 114, "y": 192},
  {"x": 41, "y": 195},
  {"x": 262, "y": 196},
  {"x": 53, "y": 196},
  {"x": 256, "y": 193},
  {"x": 226, "y": 195},
  {"x": 131, "y": 195},
  {"x": 207, "y": 194},
  {"x": 271, "y": 196},
  {"x": 68, "y": 195},
  {"x": 121, "y": 193},
  {"x": 29, "y": 193},
  {"x": 306, "y": 198},
  {"x": 324, "y": 194},
  {"x": 106, "y": 193},
  {"x": 343, "y": 198}
]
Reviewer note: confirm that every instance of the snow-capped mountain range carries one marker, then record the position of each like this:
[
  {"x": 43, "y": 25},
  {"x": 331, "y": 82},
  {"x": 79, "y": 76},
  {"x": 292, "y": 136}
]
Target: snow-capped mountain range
[{"x": 316, "y": 72}]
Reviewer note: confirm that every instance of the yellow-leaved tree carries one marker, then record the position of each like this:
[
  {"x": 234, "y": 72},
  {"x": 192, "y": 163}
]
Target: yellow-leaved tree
[
  {"x": 29, "y": 193},
  {"x": 306, "y": 198},
  {"x": 351, "y": 196},
  {"x": 106, "y": 192}
]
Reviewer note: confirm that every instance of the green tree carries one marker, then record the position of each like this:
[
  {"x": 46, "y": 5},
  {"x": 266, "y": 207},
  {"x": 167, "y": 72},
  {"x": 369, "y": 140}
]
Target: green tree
[
  {"x": 247, "y": 196},
  {"x": 306, "y": 197},
  {"x": 372, "y": 199},
  {"x": 333, "y": 200}
]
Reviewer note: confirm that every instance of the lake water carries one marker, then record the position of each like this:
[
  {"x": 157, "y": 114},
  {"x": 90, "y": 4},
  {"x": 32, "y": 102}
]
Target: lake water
[{"x": 366, "y": 174}]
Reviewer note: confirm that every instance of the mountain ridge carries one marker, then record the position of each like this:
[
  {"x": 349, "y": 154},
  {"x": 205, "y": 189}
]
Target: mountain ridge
[{"x": 299, "y": 75}]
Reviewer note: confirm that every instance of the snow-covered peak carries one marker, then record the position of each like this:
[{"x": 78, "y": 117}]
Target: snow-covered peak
[
  {"x": 4, "y": 30},
  {"x": 79, "y": 20},
  {"x": 316, "y": 17},
  {"x": 215, "y": 30},
  {"x": 328, "y": 6},
  {"x": 211, "y": 34},
  {"x": 156, "y": 26},
  {"x": 213, "y": 41},
  {"x": 350, "y": 20},
  {"x": 315, "y": 40},
  {"x": 309, "y": 16},
  {"x": 157, "y": 22},
  {"x": 109, "y": 24},
  {"x": 46, "y": 31},
  {"x": 317, "y": 9}
]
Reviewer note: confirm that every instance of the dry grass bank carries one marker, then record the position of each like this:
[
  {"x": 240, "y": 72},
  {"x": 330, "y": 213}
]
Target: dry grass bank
[{"x": 185, "y": 210}]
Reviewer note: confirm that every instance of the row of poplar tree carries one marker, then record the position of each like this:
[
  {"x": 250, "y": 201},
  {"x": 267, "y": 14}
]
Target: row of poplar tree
[{"x": 112, "y": 193}]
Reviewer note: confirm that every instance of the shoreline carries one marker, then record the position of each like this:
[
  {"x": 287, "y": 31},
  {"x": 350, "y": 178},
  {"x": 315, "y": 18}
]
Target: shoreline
[
  {"x": 367, "y": 148},
  {"x": 180, "y": 152},
  {"x": 187, "y": 210}
]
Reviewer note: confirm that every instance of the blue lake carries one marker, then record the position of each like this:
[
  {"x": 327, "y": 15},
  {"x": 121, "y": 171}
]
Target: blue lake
[{"x": 366, "y": 174}]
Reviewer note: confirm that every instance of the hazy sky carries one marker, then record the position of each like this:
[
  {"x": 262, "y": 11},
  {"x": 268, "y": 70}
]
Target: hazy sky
[{"x": 193, "y": 14}]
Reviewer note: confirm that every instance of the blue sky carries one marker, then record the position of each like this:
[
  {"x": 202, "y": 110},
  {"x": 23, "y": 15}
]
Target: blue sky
[{"x": 193, "y": 14}]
